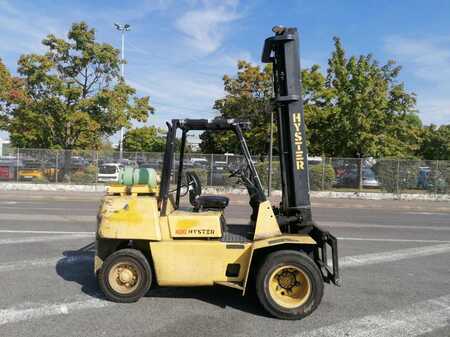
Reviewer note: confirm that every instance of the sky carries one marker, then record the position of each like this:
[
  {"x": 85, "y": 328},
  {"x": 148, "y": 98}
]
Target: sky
[{"x": 178, "y": 51}]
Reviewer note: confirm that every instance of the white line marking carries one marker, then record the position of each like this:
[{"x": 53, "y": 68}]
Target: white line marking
[
  {"x": 46, "y": 262},
  {"x": 42, "y": 232},
  {"x": 360, "y": 225},
  {"x": 428, "y": 213},
  {"x": 392, "y": 240},
  {"x": 39, "y": 310},
  {"x": 413, "y": 320},
  {"x": 44, "y": 238},
  {"x": 47, "y": 217},
  {"x": 396, "y": 255}
]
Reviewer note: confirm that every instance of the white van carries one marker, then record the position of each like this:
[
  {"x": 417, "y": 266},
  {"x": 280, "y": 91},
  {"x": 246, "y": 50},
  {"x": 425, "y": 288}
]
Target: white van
[{"x": 109, "y": 172}]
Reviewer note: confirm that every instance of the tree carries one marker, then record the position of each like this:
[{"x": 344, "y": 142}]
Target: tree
[
  {"x": 73, "y": 95},
  {"x": 358, "y": 109},
  {"x": 370, "y": 113},
  {"x": 317, "y": 102},
  {"x": 11, "y": 94},
  {"x": 435, "y": 144},
  {"x": 145, "y": 139},
  {"x": 247, "y": 97}
]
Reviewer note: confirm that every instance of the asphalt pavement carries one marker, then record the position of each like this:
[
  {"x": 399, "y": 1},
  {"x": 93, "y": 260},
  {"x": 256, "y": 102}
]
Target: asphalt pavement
[{"x": 395, "y": 258}]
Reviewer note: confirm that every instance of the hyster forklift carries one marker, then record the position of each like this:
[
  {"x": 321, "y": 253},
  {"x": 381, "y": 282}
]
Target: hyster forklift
[{"x": 144, "y": 236}]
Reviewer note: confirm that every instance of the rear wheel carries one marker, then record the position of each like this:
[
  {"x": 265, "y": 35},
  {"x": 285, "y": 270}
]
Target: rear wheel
[
  {"x": 125, "y": 276},
  {"x": 289, "y": 285}
]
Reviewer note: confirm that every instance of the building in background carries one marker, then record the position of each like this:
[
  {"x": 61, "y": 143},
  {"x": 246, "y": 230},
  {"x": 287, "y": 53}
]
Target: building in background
[{"x": 4, "y": 144}]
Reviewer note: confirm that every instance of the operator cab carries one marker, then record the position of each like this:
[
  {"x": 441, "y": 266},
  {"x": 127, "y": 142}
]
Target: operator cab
[
  {"x": 206, "y": 206},
  {"x": 203, "y": 202}
]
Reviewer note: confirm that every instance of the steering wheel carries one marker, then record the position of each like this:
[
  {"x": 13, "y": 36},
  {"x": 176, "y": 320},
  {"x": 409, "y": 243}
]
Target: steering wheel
[{"x": 194, "y": 187}]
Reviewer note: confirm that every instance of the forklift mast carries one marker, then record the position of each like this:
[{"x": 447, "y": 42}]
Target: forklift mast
[{"x": 282, "y": 50}]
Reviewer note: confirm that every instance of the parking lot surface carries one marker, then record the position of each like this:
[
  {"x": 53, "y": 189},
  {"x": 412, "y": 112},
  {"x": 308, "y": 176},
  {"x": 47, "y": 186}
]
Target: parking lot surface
[{"x": 394, "y": 255}]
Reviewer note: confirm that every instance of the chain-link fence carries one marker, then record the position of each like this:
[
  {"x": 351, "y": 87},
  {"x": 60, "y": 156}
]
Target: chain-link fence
[{"x": 326, "y": 174}]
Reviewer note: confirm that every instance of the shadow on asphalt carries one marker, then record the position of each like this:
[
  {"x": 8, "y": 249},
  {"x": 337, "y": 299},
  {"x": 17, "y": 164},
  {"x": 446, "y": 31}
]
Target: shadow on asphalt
[
  {"x": 78, "y": 265},
  {"x": 219, "y": 296}
]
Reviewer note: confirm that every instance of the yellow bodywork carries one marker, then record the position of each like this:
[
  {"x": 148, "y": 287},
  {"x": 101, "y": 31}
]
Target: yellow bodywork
[
  {"x": 185, "y": 246},
  {"x": 36, "y": 173},
  {"x": 266, "y": 223},
  {"x": 187, "y": 224},
  {"x": 129, "y": 217},
  {"x": 197, "y": 262}
]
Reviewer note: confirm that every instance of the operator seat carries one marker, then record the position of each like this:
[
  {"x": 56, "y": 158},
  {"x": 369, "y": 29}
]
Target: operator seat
[{"x": 203, "y": 202}]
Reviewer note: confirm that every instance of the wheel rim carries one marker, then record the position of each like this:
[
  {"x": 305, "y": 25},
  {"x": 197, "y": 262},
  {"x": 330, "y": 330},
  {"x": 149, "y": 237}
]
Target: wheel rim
[
  {"x": 289, "y": 286},
  {"x": 124, "y": 277}
]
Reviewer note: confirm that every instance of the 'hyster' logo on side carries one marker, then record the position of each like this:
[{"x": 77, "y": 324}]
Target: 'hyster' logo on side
[{"x": 298, "y": 141}]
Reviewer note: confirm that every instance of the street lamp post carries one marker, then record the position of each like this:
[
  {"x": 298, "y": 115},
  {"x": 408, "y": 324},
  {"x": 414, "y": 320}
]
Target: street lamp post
[{"x": 122, "y": 29}]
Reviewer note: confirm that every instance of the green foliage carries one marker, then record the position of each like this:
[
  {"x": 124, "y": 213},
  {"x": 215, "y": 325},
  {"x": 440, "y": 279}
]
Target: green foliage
[
  {"x": 11, "y": 93},
  {"x": 71, "y": 96},
  {"x": 84, "y": 176},
  {"x": 358, "y": 109},
  {"x": 263, "y": 172},
  {"x": 145, "y": 139},
  {"x": 42, "y": 179},
  {"x": 247, "y": 97},
  {"x": 369, "y": 114},
  {"x": 321, "y": 177},
  {"x": 435, "y": 142}
]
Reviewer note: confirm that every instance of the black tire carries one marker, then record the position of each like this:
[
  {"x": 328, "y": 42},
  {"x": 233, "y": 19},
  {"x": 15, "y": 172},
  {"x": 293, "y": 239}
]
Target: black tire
[
  {"x": 141, "y": 270},
  {"x": 305, "y": 267}
]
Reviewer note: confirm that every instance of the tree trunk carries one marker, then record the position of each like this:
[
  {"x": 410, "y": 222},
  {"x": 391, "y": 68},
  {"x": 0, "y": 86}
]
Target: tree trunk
[
  {"x": 359, "y": 174},
  {"x": 67, "y": 165}
]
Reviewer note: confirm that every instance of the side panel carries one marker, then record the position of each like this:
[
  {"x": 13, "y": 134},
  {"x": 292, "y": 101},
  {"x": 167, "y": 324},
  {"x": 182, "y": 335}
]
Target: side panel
[
  {"x": 197, "y": 262},
  {"x": 188, "y": 224},
  {"x": 266, "y": 223},
  {"x": 291, "y": 239},
  {"x": 129, "y": 217}
]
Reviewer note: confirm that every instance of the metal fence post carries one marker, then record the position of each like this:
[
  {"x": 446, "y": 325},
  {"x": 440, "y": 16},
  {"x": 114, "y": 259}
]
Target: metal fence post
[
  {"x": 436, "y": 177},
  {"x": 397, "y": 181},
  {"x": 56, "y": 166},
  {"x": 17, "y": 164},
  {"x": 360, "y": 174},
  {"x": 96, "y": 167},
  {"x": 211, "y": 170},
  {"x": 323, "y": 172}
]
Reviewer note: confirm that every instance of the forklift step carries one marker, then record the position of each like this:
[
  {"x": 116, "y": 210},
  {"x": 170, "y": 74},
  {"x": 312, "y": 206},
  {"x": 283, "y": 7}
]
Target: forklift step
[{"x": 235, "y": 285}]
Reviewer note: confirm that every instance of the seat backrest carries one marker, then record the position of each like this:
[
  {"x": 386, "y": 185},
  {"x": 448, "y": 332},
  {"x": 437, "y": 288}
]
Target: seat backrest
[{"x": 195, "y": 188}]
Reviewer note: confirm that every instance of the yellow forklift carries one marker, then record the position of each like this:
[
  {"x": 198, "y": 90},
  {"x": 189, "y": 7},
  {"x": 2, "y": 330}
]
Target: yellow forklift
[{"x": 145, "y": 236}]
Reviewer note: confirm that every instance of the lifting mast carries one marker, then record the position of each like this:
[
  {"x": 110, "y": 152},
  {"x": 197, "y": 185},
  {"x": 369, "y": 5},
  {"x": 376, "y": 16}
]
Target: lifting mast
[{"x": 282, "y": 50}]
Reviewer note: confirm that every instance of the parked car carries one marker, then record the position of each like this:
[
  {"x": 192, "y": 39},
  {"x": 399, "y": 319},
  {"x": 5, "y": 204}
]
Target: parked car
[
  {"x": 369, "y": 178},
  {"x": 200, "y": 162},
  {"x": 349, "y": 178},
  {"x": 424, "y": 178},
  {"x": 109, "y": 172},
  {"x": 8, "y": 169}
]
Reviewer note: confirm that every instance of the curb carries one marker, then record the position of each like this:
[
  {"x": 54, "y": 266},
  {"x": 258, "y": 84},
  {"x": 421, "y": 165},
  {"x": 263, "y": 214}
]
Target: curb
[
  {"x": 228, "y": 190},
  {"x": 51, "y": 187}
]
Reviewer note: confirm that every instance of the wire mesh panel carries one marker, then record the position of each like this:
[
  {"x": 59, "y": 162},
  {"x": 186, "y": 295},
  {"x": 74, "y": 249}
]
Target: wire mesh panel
[
  {"x": 342, "y": 174},
  {"x": 346, "y": 173},
  {"x": 9, "y": 164}
]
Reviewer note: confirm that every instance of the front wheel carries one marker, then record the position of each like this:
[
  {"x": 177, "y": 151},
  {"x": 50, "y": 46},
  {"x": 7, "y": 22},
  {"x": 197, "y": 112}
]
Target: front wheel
[
  {"x": 289, "y": 284},
  {"x": 125, "y": 276}
]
